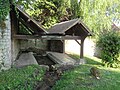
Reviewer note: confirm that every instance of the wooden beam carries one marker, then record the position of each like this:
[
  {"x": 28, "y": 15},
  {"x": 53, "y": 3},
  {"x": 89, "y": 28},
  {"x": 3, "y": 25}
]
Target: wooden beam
[
  {"x": 61, "y": 37},
  {"x": 34, "y": 25},
  {"x": 14, "y": 21},
  {"x": 78, "y": 42},
  {"x": 27, "y": 26},
  {"x": 72, "y": 37},
  {"x": 26, "y": 37},
  {"x": 46, "y": 37}
]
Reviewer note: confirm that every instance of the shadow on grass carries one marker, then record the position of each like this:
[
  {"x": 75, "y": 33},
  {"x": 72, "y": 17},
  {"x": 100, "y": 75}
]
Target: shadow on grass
[
  {"x": 93, "y": 61},
  {"x": 89, "y": 60},
  {"x": 81, "y": 79}
]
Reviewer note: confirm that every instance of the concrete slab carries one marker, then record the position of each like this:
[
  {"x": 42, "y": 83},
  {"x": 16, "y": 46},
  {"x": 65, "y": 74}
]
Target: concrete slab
[
  {"x": 25, "y": 59},
  {"x": 61, "y": 58}
]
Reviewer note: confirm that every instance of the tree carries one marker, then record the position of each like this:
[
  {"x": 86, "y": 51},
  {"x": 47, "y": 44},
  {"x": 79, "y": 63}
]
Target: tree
[
  {"x": 75, "y": 9},
  {"x": 4, "y": 10},
  {"x": 47, "y": 12},
  {"x": 97, "y": 14}
]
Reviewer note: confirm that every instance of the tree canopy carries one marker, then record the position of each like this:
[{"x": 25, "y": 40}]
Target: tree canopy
[
  {"x": 98, "y": 14},
  {"x": 47, "y": 12}
]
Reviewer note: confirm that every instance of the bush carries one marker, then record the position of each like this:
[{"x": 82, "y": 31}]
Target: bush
[{"x": 109, "y": 44}]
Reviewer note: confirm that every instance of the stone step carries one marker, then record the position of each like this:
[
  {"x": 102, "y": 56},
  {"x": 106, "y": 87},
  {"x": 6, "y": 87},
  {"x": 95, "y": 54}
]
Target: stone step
[
  {"x": 25, "y": 59},
  {"x": 61, "y": 58}
]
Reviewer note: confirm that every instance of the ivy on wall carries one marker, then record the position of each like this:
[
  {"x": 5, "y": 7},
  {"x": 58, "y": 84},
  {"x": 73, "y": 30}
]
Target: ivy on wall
[{"x": 4, "y": 10}]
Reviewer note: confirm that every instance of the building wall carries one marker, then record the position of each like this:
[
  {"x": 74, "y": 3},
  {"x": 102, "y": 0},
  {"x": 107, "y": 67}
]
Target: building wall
[
  {"x": 5, "y": 45},
  {"x": 71, "y": 46}
]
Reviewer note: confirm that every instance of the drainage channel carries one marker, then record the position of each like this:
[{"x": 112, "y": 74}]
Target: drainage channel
[
  {"x": 53, "y": 74},
  {"x": 44, "y": 60},
  {"x": 55, "y": 68}
]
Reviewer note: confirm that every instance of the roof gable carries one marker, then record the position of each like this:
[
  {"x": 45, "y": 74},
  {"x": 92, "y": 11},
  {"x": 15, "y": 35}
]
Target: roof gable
[
  {"x": 25, "y": 19},
  {"x": 63, "y": 27}
]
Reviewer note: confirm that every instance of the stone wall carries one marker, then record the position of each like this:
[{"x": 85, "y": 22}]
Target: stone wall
[
  {"x": 56, "y": 46},
  {"x": 15, "y": 49},
  {"x": 5, "y": 45},
  {"x": 18, "y": 45},
  {"x": 37, "y": 43}
]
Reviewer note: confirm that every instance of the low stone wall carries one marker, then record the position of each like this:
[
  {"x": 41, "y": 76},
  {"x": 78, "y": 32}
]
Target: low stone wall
[
  {"x": 18, "y": 45},
  {"x": 5, "y": 45}
]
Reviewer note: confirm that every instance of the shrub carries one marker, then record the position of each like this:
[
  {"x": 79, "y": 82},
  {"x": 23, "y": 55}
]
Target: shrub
[{"x": 109, "y": 44}]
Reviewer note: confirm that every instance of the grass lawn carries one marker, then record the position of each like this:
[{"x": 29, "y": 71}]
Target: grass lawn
[
  {"x": 80, "y": 78},
  {"x": 22, "y": 78}
]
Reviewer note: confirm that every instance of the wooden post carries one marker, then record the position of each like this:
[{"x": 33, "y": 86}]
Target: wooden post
[
  {"x": 14, "y": 30},
  {"x": 63, "y": 46},
  {"x": 14, "y": 21},
  {"x": 82, "y": 61},
  {"x": 82, "y": 49}
]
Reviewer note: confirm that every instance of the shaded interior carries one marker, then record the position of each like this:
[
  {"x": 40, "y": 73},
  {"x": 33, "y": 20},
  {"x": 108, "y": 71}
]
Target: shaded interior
[{"x": 44, "y": 60}]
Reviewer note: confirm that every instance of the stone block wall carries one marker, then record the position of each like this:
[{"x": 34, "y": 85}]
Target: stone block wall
[
  {"x": 35, "y": 43},
  {"x": 56, "y": 46},
  {"x": 5, "y": 45},
  {"x": 15, "y": 48}
]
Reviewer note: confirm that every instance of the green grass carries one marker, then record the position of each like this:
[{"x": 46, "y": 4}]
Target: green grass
[
  {"x": 21, "y": 79},
  {"x": 80, "y": 78},
  {"x": 89, "y": 60}
]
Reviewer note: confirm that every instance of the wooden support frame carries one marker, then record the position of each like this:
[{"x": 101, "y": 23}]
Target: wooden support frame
[
  {"x": 31, "y": 23},
  {"x": 46, "y": 37},
  {"x": 14, "y": 21},
  {"x": 69, "y": 30},
  {"x": 61, "y": 37},
  {"x": 78, "y": 42},
  {"x": 26, "y": 25},
  {"x": 63, "y": 41},
  {"x": 27, "y": 37}
]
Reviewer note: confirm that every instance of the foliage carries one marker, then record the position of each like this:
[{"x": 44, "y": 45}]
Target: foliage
[
  {"x": 22, "y": 78},
  {"x": 24, "y": 3},
  {"x": 4, "y": 10},
  {"x": 96, "y": 14},
  {"x": 109, "y": 44},
  {"x": 75, "y": 9},
  {"x": 80, "y": 78},
  {"x": 47, "y": 12}
]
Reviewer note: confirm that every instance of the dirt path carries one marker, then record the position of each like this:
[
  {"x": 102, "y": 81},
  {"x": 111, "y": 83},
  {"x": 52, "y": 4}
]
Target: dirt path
[{"x": 51, "y": 76}]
